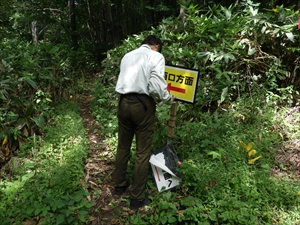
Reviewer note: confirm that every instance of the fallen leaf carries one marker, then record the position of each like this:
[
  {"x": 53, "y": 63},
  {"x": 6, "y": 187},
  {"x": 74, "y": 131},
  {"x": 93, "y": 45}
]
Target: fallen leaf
[
  {"x": 114, "y": 221},
  {"x": 92, "y": 218},
  {"x": 106, "y": 208},
  {"x": 93, "y": 183},
  {"x": 87, "y": 176},
  {"x": 29, "y": 222}
]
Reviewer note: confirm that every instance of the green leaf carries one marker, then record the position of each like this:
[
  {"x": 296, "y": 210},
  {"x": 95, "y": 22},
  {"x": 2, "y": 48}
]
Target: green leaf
[
  {"x": 38, "y": 208},
  {"x": 276, "y": 31},
  {"x": 3, "y": 94},
  {"x": 83, "y": 212},
  {"x": 188, "y": 201},
  {"x": 172, "y": 219},
  {"x": 87, "y": 204},
  {"x": 39, "y": 121},
  {"x": 29, "y": 210},
  {"x": 58, "y": 204},
  {"x": 251, "y": 51},
  {"x": 27, "y": 176},
  {"x": 60, "y": 219},
  {"x": 214, "y": 154},
  {"x": 79, "y": 195},
  {"x": 45, "y": 211},
  {"x": 31, "y": 83},
  {"x": 290, "y": 36},
  {"x": 219, "y": 58},
  {"x": 224, "y": 94},
  {"x": 163, "y": 220},
  {"x": 253, "y": 11}
]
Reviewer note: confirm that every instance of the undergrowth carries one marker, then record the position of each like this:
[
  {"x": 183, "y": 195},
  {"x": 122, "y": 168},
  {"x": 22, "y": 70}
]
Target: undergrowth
[
  {"x": 44, "y": 183},
  {"x": 227, "y": 159},
  {"x": 229, "y": 140}
]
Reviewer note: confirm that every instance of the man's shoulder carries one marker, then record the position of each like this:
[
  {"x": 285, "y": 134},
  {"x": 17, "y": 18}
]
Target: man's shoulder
[
  {"x": 157, "y": 55},
  {"x": 134, "y": 51},
  {"x": 145, "y": 51}
]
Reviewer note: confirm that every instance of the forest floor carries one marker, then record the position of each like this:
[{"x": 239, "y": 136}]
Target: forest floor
[
  {"x": 111, "y": 209},
  {"x": 108, "y": 208}
]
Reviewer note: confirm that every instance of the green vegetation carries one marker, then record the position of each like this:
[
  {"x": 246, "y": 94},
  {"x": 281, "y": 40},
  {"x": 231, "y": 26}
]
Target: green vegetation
[
  {"x": 44, "y": 181},
  {"x": 32, "y": 80},
  {"x": 220, "y": 184},
  {"x": 230, "y": 141}
]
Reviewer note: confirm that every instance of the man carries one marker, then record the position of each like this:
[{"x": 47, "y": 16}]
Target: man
[{"x": 140, "y": 84}]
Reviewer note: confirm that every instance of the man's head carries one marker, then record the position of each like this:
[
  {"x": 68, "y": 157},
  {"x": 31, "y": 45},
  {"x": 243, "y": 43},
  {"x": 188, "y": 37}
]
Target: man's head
[{"x": 154, "y": 43}]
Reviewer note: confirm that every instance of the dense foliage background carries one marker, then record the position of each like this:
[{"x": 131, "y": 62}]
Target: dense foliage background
[
  {"x": 247, "y": 105},
  {"x": 230, "y": 139}
]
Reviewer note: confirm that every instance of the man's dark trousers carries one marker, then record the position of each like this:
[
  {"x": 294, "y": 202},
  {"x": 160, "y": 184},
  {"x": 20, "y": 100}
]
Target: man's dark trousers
[{"x": 136, "y": 116}]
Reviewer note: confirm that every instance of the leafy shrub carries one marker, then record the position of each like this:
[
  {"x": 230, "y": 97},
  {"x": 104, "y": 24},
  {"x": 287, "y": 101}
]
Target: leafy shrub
[
  {"x": 46, "y": 186},
  {"x": 237, "y": 49},
  {"x": 32, "y": 80},
  {"x": 241, "y": 91}
]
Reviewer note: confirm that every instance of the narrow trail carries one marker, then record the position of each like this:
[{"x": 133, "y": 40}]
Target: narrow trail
[{"x": 108, "y": 208}]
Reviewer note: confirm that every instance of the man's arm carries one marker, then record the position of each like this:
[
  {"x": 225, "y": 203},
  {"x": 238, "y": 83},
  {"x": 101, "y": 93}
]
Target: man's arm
[{"x": 157, "y": 85}]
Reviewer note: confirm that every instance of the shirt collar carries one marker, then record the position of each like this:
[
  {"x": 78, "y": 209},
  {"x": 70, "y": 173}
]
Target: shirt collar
[{"x": 146, "y": 46}]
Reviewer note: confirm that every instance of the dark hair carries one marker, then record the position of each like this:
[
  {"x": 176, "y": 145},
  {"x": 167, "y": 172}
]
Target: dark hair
[{"x": 153, "y": 40}]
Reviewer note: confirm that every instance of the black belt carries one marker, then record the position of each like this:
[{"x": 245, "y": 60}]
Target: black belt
[
  {"x": 133, "y": 96},
  {"x": 136, "y": 96}
]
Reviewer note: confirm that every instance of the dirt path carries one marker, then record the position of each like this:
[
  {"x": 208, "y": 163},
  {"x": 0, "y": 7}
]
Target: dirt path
[{"x": 108, "y": 209}]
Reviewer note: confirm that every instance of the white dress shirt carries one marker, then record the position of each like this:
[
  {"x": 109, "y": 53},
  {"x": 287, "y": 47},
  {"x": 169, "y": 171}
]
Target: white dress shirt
[{"x": 142, "y": 71}]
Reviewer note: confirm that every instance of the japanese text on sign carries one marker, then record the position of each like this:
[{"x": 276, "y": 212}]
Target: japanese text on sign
[
  {"x": 179, "y": 79},
  {"x": 182, "y": 83}
]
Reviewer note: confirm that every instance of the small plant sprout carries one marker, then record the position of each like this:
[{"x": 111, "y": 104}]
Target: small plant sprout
[
  {"x": 250, "y": 152},
  {"x": 251, "y": 161}
]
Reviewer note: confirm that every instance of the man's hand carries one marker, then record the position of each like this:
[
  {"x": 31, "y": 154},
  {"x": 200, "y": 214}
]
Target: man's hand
[{"x": 171, "y": 101}]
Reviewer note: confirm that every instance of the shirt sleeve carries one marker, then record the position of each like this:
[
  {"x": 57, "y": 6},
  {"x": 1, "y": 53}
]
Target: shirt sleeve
[{"x": 157, "y": 85}]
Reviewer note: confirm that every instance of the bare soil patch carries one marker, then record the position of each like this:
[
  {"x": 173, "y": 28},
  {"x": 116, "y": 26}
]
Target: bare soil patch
[{"x": 108, "y": 208}]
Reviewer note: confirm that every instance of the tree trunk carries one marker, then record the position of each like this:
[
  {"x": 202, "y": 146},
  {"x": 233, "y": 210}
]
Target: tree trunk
[
  {"x": 125, "y": 20},
  {"x": 90, "y": 21},
  {"x": 111, "y": 25},
  {"x": 73, "y": 22},
  {"x": 33, "y": 32},
  {"x": 182, "y": 13}
]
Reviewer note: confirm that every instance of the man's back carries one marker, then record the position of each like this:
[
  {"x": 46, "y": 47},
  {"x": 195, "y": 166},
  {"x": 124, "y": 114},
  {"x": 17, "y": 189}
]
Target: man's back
[{"x": 136, "y": 68}]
